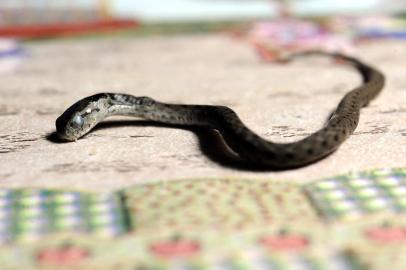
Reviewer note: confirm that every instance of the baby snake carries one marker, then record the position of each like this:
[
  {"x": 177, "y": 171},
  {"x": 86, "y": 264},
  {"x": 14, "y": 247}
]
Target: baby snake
[{"x": 82, "y": 116}]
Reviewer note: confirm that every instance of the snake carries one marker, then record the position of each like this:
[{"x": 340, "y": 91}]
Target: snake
[{"x": 85, "y": 114}]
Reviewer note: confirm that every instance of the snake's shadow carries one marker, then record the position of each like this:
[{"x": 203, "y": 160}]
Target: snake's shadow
[{"x": 211, "y": 143}]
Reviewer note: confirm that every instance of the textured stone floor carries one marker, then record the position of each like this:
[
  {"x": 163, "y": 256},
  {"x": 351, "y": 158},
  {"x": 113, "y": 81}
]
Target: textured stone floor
[{"x": 280, "y": 102}]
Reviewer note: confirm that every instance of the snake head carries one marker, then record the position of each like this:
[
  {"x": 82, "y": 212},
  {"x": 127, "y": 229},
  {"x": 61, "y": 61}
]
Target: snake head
[{"x": 81, "y": 117}]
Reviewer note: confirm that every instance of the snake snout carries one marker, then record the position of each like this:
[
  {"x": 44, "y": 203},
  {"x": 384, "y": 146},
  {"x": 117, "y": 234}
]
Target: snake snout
[{"x": 62, "y": 129}]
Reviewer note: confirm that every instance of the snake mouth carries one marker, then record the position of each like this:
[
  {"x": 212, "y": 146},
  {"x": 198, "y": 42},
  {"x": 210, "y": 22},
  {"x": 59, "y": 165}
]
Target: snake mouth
[{"x": 65, "y": 137}]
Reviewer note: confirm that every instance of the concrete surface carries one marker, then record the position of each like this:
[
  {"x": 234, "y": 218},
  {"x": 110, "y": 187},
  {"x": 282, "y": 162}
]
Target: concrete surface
[{"x": 281, "y": 102}]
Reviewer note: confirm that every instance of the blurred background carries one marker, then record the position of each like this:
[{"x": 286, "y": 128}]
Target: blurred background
[
  {"x": 17, "y": 12},
  {"x": 271, "y": 26}
]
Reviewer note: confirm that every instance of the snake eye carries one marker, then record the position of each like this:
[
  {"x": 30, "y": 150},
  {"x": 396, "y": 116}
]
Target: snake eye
[{"x": 77, "y": 121}]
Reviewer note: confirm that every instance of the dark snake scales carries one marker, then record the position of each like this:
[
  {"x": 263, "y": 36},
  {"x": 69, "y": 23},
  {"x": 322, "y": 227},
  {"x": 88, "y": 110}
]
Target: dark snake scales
[{"x": 82, "y": 116}]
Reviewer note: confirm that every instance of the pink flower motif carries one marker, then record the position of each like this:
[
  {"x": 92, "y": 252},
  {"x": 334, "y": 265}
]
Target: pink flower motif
[
  {"x": 67, "y": 255},
  {"x": 178, "y": 248},
  {"x": 386, "y": 235},
  {"x": 285, "y": 242}
]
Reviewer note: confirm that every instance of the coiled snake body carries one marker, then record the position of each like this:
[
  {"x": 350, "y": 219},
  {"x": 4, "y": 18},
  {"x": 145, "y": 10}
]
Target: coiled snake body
[{"x": 82, "y": 116}]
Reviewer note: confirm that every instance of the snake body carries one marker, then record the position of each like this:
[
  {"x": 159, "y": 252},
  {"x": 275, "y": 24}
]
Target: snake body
[{"x": 82, "y": 116}]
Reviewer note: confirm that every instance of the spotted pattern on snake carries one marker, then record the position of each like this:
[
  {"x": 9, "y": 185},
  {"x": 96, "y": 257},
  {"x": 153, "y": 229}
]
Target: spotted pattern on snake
[{"x": 82, "y": 116}]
